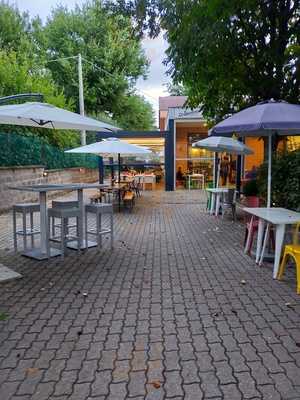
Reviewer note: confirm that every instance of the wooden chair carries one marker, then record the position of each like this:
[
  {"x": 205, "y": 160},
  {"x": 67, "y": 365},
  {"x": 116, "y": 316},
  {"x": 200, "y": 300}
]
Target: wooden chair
[{"x": 128, "y": 199}]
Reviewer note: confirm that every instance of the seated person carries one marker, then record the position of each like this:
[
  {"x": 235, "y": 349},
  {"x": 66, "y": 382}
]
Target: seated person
[
  {"x": 252, "y": 174},
  {"x": 179, "y": 175}
]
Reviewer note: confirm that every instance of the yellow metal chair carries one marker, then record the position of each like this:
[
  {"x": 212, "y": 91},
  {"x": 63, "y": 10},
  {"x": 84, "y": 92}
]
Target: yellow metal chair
[{"x": 292, "y": 250}]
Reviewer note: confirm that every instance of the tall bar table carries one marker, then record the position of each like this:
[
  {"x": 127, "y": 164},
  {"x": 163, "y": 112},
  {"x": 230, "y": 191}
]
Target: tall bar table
[{"x": 44, "y": 251}]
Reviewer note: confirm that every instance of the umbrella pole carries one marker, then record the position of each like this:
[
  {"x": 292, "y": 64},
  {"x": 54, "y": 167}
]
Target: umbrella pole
[
  {"x": 218, "y": 172},
  {"x": 119, "y": 176},
  {"x": 269, "y": 171}
]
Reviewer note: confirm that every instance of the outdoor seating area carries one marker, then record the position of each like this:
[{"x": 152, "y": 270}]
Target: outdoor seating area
[
  {"x": 176, "y": 295},
  {"x": 149, "y": 200}
]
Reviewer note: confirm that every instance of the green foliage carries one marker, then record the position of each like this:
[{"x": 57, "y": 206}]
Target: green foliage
[
  {"x": 285, "y": 180},
  {"x": 14, "y": 28},
  {"x": 3, "y": 316},
  {"x": 112, "y": 62},
  {"x": 17, "y": 76},
  {"x": 176, "y": 89},
  {"x": 135, "y": 113},
  {"x": 32, "y": 150},
  {"x": 227, "y": 54},
  {"x": 112, "y": 57},
  {"x": 250, "y": 188}
]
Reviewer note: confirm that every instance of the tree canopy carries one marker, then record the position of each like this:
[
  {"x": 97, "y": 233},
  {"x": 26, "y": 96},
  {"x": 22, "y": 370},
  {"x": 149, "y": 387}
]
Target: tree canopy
[
  {"x": 113, "y": 60},
  {"x": 228, "y": 55}
]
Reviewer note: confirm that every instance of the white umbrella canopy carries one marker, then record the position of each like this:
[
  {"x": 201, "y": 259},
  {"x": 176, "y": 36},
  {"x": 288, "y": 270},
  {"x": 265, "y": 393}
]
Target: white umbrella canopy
[
  {"x": 44, "y": 115},
  {"x": 220, "y": 144},
  {"x": 110, "y": 147}
]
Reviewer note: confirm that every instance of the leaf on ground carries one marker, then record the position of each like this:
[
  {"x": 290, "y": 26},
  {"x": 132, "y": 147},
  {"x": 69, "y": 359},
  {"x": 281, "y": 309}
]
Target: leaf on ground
[
  {"x": 156, "y": 384},
  {"x": 32, "y": 371},
  {"x": 289, "y": 305},
  {"x": 3, "y": 316}
]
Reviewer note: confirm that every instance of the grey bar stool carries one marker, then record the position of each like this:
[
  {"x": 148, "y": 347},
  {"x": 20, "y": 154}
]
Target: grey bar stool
[
  {"x": 26, "y": 231},
  {"x": 60, "y": 204},
  {"x": 64, "y": 214},
  {"x": 100, "y": 210}
]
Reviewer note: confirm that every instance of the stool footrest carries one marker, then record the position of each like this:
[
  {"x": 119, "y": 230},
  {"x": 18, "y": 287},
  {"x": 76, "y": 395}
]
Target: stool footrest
[
  {"x": 28, "y": 232},
  {"x": 102, "y": 232}
]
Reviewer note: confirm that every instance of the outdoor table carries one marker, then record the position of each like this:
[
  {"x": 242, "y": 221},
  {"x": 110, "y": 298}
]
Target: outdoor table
[
  {"x": 118, "y": 187},
  {"x": 279, "y": 217},
  {"x": 216, "y": 199},
  {"x": 196, "y": 177},
  {"x": 45, "y": 251},
  {"x": 145, "y": 179}
]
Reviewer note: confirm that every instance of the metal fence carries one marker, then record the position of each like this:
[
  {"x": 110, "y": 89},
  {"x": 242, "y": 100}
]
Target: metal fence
[{"x": 29, "y": 150}]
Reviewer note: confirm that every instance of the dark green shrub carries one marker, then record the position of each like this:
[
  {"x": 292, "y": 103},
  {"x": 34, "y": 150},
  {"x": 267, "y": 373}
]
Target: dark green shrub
[
  {"x": 285, "y": 180},
  {"x": 250, "y": 188}
]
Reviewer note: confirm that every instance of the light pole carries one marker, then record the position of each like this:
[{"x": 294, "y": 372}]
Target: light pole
[
  {"x": 80, "y": 86},
  {"x": 81, "y": 98}
]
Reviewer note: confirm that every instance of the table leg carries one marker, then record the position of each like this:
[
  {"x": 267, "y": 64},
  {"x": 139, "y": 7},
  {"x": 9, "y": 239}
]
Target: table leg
[
  {"x": 212, "y": 203},
  {"x": 45, "y": 247},
  {"x": 260, "y": 234},
  {"x": 246, "y": 249},
  {"x": 280, "y": 231},
  {"x": 81, "y": 218},
  {"x": 217, "y": 204},
  {"x": 265, "y": 241}
]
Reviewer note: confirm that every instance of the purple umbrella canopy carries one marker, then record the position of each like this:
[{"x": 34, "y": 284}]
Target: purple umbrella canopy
[
  {"x": 266, "y": 118},
  {"x": 263, "y": 119}
]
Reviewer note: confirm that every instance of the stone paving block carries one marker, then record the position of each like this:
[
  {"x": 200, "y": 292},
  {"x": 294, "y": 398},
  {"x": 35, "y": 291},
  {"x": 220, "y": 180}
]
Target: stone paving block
[
  {"x": 192, "y": 391},
  {"x": 285, "y": 387},
  {"x": 173, "y": 384},
  {"x": 210, "y": 385},
  {"x": 137, "y": 382},
  {"x": 117, "y": 391},
  {"x": 165, "y": 316},
  {"x": 246, "y": 385},
  {"x": 189, "y": 372},
  {"x": 100, "y": 386}
]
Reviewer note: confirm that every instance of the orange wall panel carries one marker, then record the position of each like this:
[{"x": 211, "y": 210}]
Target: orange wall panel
[{"x": 256, "y": 159}]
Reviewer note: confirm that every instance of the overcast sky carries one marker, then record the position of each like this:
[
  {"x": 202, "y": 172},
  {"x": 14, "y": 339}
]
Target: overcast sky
[{"x": 153, "y": 87}]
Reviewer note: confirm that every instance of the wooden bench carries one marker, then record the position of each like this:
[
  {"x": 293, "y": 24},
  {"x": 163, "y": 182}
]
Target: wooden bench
[
  {"x": 128, "y": 199},
  {"x": 97, "y": 198}
]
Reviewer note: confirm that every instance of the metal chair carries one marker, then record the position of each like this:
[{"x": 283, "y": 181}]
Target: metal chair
[
  {"x": 61, "y": 204},
  {"x": 64, "y": 214},
  {"x": 99, "y": 210},
  {"x": 25, "y": 232},
  {"x": 229, "y": 203},
  {"x": 293, "y": 251}
]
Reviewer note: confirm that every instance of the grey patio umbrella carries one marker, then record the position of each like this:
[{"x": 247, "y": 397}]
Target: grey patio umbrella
[
  {"x": 220, "y": 144},
  {"x": 267, "y": 118},
  {"x": 43, "y": 115}
]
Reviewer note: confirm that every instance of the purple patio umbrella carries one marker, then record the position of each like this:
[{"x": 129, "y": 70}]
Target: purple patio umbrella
[{"x": 268, "y": 118}]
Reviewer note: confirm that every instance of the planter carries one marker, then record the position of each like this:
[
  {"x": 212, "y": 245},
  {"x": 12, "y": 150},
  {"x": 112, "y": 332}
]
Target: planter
[{"x": 252, "y": 201}]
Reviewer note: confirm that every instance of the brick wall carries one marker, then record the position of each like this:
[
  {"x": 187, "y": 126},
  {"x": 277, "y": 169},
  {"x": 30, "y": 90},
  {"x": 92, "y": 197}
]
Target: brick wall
[{"x": 33, "y": 175}]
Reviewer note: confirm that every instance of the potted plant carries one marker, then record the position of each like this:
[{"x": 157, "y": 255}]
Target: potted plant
[{"x": 250, "y": 192}]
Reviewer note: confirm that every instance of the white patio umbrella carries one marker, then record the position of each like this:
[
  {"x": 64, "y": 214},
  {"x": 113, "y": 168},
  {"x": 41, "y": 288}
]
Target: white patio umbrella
[
  {"x": 112, "y": 147},
  {"x": 267, "y": 118},
  {"x": 219, "y": 144},
  {"x": 44, "y": 115}
]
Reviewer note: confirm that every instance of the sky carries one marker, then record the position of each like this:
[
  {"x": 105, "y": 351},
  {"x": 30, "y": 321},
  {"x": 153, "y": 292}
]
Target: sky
[{"x": 153, "y": 86}]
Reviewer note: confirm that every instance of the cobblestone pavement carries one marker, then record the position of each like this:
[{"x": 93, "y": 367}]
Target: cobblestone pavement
[{"x": 166, "y": 315}]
